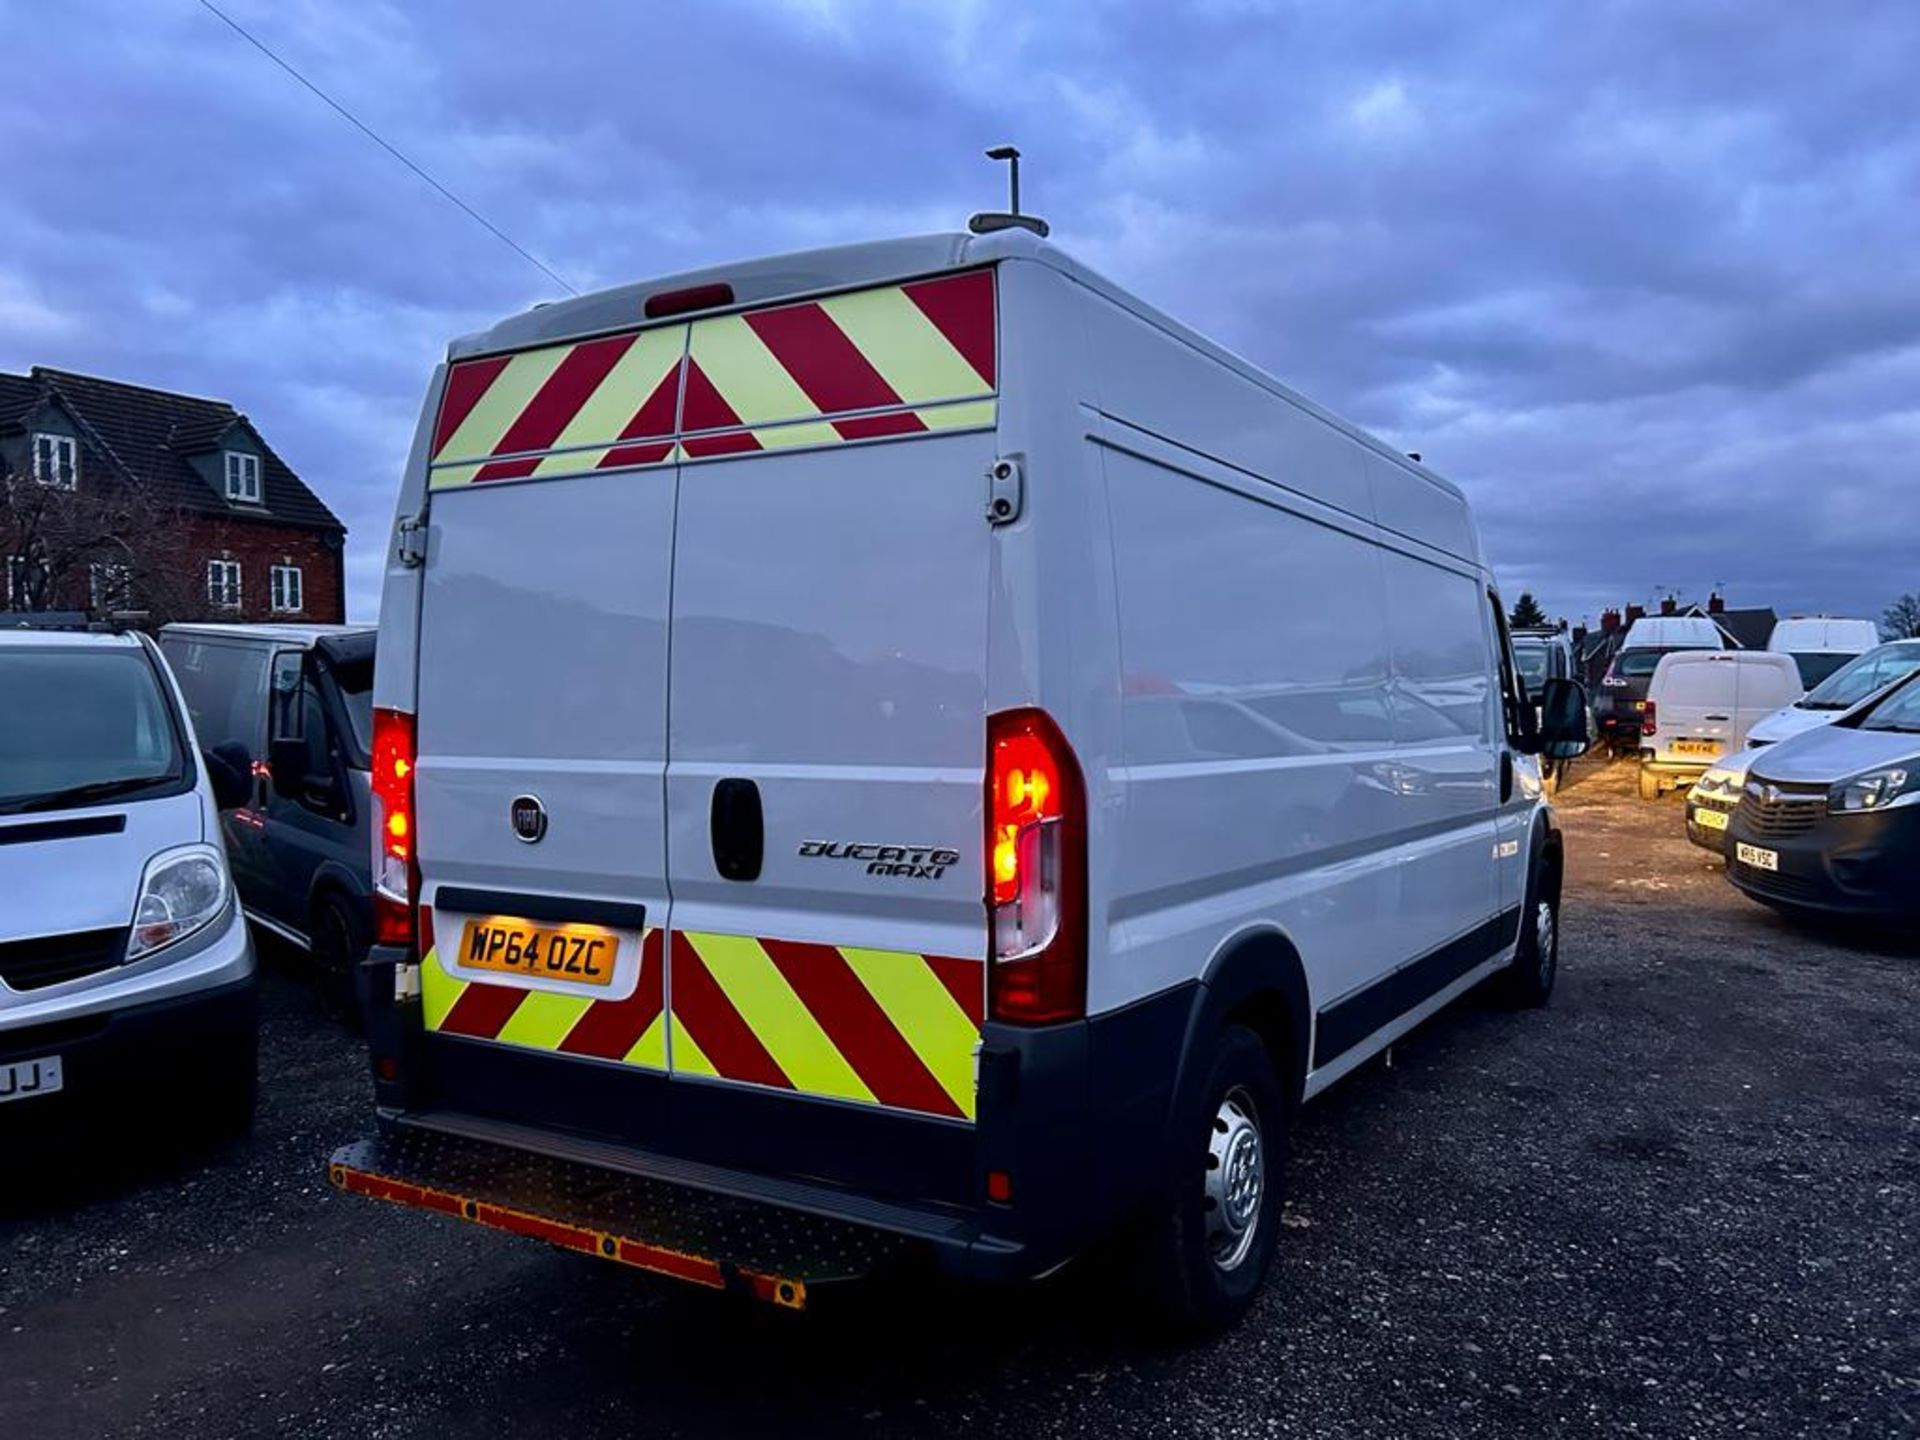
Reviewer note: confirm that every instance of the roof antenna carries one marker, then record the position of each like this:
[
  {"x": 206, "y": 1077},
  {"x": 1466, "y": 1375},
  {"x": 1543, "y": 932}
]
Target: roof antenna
[{"x": 988, "y": 221}]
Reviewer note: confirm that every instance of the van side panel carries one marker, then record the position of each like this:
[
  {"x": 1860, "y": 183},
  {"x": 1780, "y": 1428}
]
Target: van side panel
[
  {"x": 1156, "y": 382},
  {"x": 1269, "y": 780},
  {"x": 1310, "y": 729}
]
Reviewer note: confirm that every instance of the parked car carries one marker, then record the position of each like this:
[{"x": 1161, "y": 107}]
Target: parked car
[
  {"x": 1716, "y": 793},
  {"x": 1700, "y": 706},
  {"x": 1829, "y": 822},
  {"x": 295, "y": 705},
  {"x": 1821, "y": 644},
  {"x": 126, "y": 974},
  {"x": 1541, "y": 655},
  {"x": 795, "y": 834},
  {"x": 1862, "y": 676},
  {"x": 1620, "y": 706}
]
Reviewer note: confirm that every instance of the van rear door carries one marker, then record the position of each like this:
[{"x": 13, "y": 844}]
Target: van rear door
[
  {"x": 1695, "y": 700},
  {"x": 542, "y": 709},
  {"x": 827, "y": 699}
]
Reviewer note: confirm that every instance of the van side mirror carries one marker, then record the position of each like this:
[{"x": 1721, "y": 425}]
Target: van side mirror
[
  {"x": 1566, "y": 721},
  {"x": 232, "y": 786}
]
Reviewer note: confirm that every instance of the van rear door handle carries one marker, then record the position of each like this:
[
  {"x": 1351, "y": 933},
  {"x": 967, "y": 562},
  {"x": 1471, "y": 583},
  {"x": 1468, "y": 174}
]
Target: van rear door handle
[{"x": 738, "y": 829}]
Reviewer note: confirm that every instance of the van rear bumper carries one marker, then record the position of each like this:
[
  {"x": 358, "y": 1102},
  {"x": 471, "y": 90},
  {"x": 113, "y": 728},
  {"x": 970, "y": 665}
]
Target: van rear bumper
[{"x": 1070, "y": 1116}]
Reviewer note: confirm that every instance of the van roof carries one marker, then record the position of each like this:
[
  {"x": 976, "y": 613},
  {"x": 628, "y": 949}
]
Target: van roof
[
  {"x": 60, "y": 639},
  {"x": 1693, "y": 630},
  {"x": 302, "y": 635},
  {"x": 1824, "y": 632},
  {"x": 844, "y": 267}
]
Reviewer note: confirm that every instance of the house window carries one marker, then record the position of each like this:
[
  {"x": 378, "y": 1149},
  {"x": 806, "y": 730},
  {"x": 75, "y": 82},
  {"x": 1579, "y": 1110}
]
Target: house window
[
  {"x": 17, "y": 596},
  {"x": 223, "y": 584},
  {"x": 110, "y": 587},
  {"x": 55, "y": 460},
  {"x": 283, "y": 588},
  {"x": 243, "y": 477}
]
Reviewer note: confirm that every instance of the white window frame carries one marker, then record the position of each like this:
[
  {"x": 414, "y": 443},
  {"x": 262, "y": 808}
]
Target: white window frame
[
  {"x": 286, "y": 590},
  {"x": 60, "y": 466},
  {"x": 109, "y": 585},
  {"x": 223, "y": 584},
  {"x": 243, "y": 476}
]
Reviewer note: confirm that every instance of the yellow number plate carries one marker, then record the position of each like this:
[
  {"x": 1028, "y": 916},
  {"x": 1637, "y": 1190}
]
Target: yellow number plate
[
  {"x": 1696, "y": 747},
  {"x": 583, "y": 954},
  {"x": 1709, "y": 819}
]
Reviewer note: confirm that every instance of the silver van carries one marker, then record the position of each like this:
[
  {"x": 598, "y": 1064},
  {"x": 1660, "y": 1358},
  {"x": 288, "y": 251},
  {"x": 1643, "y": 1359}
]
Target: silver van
[
  {"x": 290, "y": 706},
  {"x": 126, "y": 977}
]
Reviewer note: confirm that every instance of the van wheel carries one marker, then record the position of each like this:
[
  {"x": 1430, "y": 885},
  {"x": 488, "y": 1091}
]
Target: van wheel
[
  {"x": 339, "y": 945},
  {"x": 1649, "y": 784},
  {"x": 1528, "y": 979},
  {"x": 1204, "y": 1256}
]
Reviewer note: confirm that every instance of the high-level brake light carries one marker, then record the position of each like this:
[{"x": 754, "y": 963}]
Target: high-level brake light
[
  {"x": 395, "y": 861},
  {"x": 1036, "y": 872}
]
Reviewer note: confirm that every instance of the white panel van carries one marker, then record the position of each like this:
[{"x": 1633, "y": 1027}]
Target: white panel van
[
  {"x": 1700, "y": 707},
  {"x": 905, "y": 749},
  {"x": 1821, "y": 644}
]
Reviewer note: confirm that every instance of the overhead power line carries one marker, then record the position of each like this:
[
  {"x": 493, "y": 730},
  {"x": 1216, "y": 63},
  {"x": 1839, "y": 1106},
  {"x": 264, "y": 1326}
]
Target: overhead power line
[{"x": 367, "y": 130}]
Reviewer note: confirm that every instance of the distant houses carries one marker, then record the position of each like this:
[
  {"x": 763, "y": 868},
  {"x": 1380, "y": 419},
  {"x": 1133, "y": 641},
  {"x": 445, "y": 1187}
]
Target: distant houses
[{"x": 126, "y": 501}]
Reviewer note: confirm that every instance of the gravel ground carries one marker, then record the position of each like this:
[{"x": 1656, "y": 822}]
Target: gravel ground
[{"x": 1679, "y": 1202}]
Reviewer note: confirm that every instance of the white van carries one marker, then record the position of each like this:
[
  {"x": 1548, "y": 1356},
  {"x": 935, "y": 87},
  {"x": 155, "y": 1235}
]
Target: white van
[
  {"x": 1674, "y": 632},
  {"x": 910, "y": 740},
  {"x": 1700, "y": 707},
  {"x": 1821, "y": 644},
  {"x": 126, "y": 974}
]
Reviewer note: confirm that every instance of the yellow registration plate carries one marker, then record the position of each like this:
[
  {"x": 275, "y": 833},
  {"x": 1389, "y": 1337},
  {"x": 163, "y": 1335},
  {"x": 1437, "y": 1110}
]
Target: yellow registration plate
[
  {"x": 1709, "y": 819},
  {"x": 1696, "y": 747},
  {"x": 583, "y": 954}
]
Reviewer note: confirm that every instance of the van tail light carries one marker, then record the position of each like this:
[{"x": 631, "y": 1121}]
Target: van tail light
[
  {"x": 1648, "y": 716},
  {"x": 396, "y": 861},
  {"x": 1036, "y": 872}
]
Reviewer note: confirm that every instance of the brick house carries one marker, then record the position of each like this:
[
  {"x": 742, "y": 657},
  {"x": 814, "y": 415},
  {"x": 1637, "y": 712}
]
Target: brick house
[{"x": 120, "y": 499}]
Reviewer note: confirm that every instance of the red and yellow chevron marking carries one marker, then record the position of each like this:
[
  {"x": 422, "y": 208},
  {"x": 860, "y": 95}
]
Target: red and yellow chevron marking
[
  {"x": 878, "y": 1027},
  {"x": 631, "y": 1031},
  {"x": 892, "y": 360}
]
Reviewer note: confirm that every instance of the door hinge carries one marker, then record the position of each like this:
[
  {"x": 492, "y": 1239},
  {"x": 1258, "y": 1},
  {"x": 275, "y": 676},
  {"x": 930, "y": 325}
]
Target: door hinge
[
  {"x": 410, "y": 542},
  {"x": 406, "y": 984},
  {"x": 1006, "y": 490}
]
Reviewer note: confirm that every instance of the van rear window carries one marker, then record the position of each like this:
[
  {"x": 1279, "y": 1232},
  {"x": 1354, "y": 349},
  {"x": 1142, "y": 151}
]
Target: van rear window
[{"x": 893, "y": 360}]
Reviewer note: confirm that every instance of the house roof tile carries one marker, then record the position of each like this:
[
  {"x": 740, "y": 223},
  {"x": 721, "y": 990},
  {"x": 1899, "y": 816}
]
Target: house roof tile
[{"x": 149, "y": 434}]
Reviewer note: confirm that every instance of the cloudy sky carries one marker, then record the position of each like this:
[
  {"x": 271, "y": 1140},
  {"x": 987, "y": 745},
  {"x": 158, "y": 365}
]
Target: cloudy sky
[{"x": 1643, "y": 277}]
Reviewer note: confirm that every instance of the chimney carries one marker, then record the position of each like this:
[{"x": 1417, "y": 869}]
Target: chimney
[
  {"x": 1609, "y": 621},
  {"x": 1669, "y": 606},
  {"x": 1715, "y": 604},
  {"x": 1636, "y": 612}
]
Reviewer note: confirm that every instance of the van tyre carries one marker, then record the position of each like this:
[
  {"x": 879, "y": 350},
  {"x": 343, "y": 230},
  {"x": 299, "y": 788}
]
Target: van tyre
[
  {"x": 1649, "y": 784},
  {"x": 339, "y": 945},
  {"x": 1204, "y": 1256},
  {"x": 1527, "y": 981}
]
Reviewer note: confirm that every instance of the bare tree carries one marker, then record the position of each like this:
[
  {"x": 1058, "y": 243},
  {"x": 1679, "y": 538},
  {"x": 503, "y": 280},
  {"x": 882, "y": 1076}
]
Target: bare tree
[
  {"x": 1902, "y": 618},
  {"x": 99, "y": 547}
]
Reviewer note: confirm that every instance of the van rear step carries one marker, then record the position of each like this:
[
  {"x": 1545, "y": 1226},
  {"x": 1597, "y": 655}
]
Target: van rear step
[{"x": 716, "y": 1241}]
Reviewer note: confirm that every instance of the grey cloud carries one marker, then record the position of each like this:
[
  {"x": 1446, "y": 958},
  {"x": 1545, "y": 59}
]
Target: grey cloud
[{"x": 1640, "y": 276}]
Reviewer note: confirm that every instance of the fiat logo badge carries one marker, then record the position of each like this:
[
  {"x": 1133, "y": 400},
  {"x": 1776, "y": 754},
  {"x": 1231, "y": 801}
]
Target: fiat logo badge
[{"x": 529, "y": 818}]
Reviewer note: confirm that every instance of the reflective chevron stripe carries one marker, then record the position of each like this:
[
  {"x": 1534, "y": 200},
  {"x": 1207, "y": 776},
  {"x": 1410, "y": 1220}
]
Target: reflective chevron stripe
[
  {"x": 874, "y": 1027},
  {"x": 883, "y": 1027},
  {"x": 631, "y": 1031},
  {"x": 887, "y": 361}
]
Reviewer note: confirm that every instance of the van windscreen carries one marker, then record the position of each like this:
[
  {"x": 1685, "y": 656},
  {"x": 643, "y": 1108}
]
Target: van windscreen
[{"x": 98, "y": 730}]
